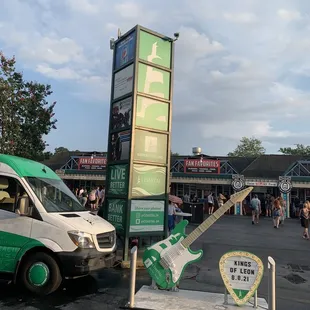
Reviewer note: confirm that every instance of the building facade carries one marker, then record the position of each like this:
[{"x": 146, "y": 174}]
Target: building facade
[
  {"x": 284, "y": 175},
  {"x": 80, "y": 169}
]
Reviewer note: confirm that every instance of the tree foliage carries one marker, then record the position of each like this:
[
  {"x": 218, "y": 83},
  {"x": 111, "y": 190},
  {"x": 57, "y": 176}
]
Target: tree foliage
[
  {"x": 300, "y": 149},
  {"x": 25, "y": 114},
  {"x": 248, "y": 147},
  {"x": 61, "y": 149}
]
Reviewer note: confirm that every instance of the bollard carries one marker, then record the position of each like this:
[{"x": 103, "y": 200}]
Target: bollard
[
  {"x": 271, "y": 284},
  {"x": 255, "y": 300},
  {"x": 225, "y": 297},
  {"x": 133, "y": 268}
]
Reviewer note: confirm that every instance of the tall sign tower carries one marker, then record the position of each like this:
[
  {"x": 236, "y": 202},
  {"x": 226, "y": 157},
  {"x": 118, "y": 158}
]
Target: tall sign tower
[{"x": 137, "y": 184}]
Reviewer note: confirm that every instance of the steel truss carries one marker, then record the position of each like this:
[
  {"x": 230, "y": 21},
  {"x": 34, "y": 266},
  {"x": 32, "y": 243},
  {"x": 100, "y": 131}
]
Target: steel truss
[
  {"x": 71, "y": 164},
  {"x": 300, "y": 168}
]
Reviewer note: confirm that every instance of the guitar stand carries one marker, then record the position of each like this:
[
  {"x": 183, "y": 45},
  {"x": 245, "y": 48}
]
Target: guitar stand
[{"x": 155, "y": 287}]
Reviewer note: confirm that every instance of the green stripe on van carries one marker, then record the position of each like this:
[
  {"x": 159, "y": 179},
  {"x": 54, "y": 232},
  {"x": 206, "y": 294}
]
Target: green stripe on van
[
  {"x": 28, "y": 168},
  {"x": 12, "y": 249}
]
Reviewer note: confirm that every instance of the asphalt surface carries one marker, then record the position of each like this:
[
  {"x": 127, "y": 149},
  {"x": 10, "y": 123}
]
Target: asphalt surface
[{"x": 108, "y": 289}]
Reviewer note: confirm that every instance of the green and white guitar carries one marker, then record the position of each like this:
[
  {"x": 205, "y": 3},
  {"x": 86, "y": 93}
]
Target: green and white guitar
[{"x": 166, "y": 260}]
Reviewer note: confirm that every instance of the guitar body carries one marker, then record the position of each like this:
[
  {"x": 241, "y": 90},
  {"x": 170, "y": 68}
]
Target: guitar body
[{"x": 166, "y": 260}]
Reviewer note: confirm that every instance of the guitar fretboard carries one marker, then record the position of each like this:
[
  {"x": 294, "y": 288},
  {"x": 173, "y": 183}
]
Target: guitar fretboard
[{"x": 195, "y": 234}]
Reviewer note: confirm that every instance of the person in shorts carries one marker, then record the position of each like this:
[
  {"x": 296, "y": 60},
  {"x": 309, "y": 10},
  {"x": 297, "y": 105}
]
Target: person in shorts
[
  {"x": 256, "y": 209},
  {"x": 276, "y": 213},
  {"x": 304, "y": 219},
  {"x": 93, "y": 199},
  {"x": 210, "y": 203}
]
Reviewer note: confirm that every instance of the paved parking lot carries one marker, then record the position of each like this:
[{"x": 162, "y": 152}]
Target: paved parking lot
[{"x": 109, "y": 289}]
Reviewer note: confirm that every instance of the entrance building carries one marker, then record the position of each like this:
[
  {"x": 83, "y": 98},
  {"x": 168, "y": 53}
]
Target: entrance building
[
  {"x": 197, "y": 175},
  {"x": 277, "y": 175}
]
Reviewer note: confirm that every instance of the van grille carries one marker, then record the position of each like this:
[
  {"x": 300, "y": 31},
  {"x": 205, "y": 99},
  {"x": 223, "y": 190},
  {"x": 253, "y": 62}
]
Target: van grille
[{"x": 106, "y": 240}]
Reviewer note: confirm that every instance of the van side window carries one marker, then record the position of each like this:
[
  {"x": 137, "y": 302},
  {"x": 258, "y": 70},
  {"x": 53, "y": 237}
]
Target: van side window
[{"x": 13, "y": 197}]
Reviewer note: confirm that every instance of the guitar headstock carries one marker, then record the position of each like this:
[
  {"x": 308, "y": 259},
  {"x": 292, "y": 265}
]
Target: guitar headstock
[{"x": 239, "y": 196}]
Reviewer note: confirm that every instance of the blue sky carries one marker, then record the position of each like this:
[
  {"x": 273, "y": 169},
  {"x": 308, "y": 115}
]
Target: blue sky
[{"x": 242, "y": 67}]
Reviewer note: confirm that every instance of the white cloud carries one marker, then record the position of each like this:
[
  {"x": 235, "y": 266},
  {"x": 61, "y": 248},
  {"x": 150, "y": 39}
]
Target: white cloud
[
  {"x": 63, "y": 73},
  {"x": 128, "y": 9},
  {"x": 240, "y": 69},
  {"x": 57, "y": 51},
  {"x": 83, "y": 6},
  {"x": 242, "y": 18},
  {"x": 288, "y": 15},
  {"x": 194, "y": 46},
  {"x": 256, "y": 128}
]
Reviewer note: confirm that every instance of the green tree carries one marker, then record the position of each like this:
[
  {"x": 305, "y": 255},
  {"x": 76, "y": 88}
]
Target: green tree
[
  {"x": 25, "y": 115},
  {"x": 300, "y": 149},
  {"x": 248, "y": 147},
  {"x": 61, "y": 149}
]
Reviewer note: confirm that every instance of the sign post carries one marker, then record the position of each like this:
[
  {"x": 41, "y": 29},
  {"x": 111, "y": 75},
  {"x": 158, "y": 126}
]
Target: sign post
[
  {"x": 285, "y": 187},
  {"x": 238, "y": 184},
  {"x": 137, "y": 184},
  {"x": 242, "y": 273}
]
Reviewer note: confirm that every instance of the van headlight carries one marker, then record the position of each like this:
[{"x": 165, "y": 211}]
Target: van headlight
[{"x": 81, "y": 239}]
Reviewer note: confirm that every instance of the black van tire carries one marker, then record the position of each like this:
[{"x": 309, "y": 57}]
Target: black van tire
[{"x": 50, "y": 274}]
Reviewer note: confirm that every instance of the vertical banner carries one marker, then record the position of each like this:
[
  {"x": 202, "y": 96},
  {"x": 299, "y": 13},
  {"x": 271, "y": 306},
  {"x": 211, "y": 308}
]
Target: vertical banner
[{"x": 137, "y": 184}]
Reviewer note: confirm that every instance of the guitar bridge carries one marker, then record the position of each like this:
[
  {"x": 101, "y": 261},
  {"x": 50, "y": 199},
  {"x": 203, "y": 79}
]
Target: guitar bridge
[{"x": 167, "y": 260}]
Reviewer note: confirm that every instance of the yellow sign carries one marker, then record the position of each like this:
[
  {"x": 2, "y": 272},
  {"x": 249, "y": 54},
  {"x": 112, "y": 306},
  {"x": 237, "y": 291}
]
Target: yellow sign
[{"x": 242, "y": 273}]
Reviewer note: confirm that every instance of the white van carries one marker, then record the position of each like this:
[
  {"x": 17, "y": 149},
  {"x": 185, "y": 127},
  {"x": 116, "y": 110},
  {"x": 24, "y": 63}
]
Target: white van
[{"x": 45, "y": 233}]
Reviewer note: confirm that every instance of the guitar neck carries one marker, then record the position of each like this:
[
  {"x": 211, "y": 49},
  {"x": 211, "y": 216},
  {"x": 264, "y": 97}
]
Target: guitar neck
[{"x": 195, "y": 234}]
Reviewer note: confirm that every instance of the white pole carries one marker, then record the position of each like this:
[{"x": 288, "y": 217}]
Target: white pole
[
  {"x": 133, "y": 267},
  {"x": 271, "y": 284},
  {"x": 255, "y": 300},
  {"x": 225, "y": 297}
]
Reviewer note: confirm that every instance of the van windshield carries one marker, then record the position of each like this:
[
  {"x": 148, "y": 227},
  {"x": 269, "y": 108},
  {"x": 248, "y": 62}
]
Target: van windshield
[{"x": 54, "y": 195}]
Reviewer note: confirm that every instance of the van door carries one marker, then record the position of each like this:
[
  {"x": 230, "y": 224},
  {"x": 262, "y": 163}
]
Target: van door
[{"x": 15, "y": 229}]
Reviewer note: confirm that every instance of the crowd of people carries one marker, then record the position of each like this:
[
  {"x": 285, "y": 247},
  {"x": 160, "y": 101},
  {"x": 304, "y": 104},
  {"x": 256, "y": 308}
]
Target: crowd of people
[
  {"x": 276, "y": 208},
  {"x": 267, "y": 205},
  {"x": 93, "y": 199},
  {"x": 211, "y": 201}
]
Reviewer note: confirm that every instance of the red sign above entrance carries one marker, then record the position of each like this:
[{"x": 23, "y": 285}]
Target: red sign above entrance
[
  {"x": 202, "y": 166},
  {"x": 92, "y": 163}
]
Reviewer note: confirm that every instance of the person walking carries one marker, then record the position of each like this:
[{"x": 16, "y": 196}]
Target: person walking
[
  {"x": 221, "y": 200},
  {"x": 256, "y": 209},
  {"x": 92, "y": 198},
  {"x": 171, "y": 216},
  {"x": 269, "y": 205},
  {"x": 276, "y": 213},
  {"x": 210, "y": 203},
  {"x": 83, "y": 198},
  {"x": 100, "y": 194},
  {"x": 283, "y": 210},
  {"x": 304, "y": 219}
]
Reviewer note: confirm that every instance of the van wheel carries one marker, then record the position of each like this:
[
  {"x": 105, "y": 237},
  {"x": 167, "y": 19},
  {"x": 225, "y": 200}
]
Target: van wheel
[{"x": 40, "y": 274}]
